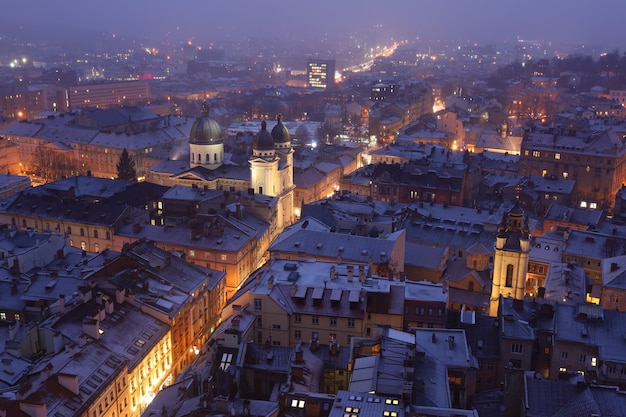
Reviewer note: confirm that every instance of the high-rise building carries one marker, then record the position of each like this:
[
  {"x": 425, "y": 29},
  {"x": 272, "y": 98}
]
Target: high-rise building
[{"x": 321, "y": 73}]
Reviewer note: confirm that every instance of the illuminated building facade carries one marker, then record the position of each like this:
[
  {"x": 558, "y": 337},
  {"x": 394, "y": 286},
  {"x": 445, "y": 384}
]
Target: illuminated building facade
[
  {"x": 511, "y": 258},
  {"x": 321, "y": 73},
  {"x": 108, "y": 95}
]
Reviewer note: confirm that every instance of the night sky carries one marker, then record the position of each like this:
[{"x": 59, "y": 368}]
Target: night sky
[{"x": 594, "y": 23}]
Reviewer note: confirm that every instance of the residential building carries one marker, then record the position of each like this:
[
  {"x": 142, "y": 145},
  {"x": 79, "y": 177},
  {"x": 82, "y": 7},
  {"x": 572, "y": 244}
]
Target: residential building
[
  {"x": 87, "y": 210},
  {"x": 596, "y": 160},
  {"x": 383, "y": 256},
  {"x": 324, "y": 302},
  {"x": 563, "y": 217}
]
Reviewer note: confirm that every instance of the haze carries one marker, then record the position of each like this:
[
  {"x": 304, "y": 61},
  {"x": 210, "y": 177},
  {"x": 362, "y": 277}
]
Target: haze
[{"x": 559, "y": 21}]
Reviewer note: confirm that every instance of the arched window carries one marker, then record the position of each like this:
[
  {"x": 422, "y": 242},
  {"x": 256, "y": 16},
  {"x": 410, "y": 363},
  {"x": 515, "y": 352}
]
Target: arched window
[
  {"x": 95, "y": 234},
  {"x": 199, "y": 158},
  {"x": 193, "y": 157},
  {"x": 470, "y": 286},
  {"x": 214, "y": 157},
  {"x": 207, "y": 158},
  {"x": 509, "y": 276}
]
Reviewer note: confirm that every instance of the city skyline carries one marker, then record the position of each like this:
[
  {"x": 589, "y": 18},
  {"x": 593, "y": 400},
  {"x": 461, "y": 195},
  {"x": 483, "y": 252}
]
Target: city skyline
[{"x": 592, "y": 25}]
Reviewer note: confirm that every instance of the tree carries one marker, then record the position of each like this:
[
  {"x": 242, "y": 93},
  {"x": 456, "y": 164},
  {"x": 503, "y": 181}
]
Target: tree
[
  {"x": 51, "y": 164},
  {"x": 126, "y": 167},
  {"x": 302, "y": 134}
]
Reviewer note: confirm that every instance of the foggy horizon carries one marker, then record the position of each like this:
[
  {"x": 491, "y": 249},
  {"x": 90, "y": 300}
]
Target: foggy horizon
[{"x": 594, "y": 25}]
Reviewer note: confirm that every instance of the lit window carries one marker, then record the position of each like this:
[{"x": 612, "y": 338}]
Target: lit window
[
  {"x": 594, "y": 361},
  {"x": 583, "y": 204},
  {"x": 227, "y": 358},
  {"x": 295, "y": 403},
  {"x": 557, "y": 156}
]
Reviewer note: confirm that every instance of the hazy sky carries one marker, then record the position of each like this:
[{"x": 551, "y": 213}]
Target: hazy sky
[{"x": 598, "y": 22}]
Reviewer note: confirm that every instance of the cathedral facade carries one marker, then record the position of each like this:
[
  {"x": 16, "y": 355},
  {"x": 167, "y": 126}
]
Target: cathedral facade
[{"x": 269, "y": 169}]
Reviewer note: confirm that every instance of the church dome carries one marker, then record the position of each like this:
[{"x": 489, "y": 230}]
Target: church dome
[
  {"x": 263, "y": 140},
  {"x": 205, "y": 130},
  {"x": 280, "y": 134}
]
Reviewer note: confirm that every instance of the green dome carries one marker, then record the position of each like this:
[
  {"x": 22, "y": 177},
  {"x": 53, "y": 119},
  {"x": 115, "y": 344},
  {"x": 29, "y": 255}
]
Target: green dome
[{"x": 205, "y": 130}]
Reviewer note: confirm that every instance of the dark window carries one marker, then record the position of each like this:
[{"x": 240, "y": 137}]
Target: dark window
[{"x": 509, "y": 276}]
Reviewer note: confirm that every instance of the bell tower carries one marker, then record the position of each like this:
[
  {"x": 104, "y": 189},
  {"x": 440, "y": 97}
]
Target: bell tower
[{"x": 511, "y": 258}]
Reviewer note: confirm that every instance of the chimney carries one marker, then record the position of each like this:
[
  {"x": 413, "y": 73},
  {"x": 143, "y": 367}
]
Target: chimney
[
  {"x": 120, "y": 295},
  {"x": 293, "y": 289},
  {"x": 270, "y": 282},
  {"x": 62, "y": 301},
  {"x": 57, "y": 342},
  {"x": 361, "y": 273},
  {"x": 91, "y": 327},
  {"x": 71, "y": 349},
  {"x": 451, "y": 342},
  {"x": 70, "y": 382},
  {"x": 46, "y": 372},
  {"x": 350, "y": 273},
  {"x": 84, "y": 293},
  {"x": 333, "y": 273},
  {"x": 297, "y": 373},
  {"x": 299, "y": 353},
  {"x": 13, "y": 329},
  {"x": 7, "y": 366},
  {"x": 109, "y": 305}
]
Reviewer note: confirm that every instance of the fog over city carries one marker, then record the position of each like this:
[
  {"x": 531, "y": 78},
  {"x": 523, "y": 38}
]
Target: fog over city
[{"x": 593, "y": 24}]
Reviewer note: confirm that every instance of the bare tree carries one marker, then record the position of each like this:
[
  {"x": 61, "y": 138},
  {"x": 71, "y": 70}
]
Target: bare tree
[{"x": 50, "y": 164}]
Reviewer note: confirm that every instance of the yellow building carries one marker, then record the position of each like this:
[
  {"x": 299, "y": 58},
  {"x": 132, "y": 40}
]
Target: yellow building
[
  {"x": 510, "y": 259},
  {"x": 319, "y": 302}
]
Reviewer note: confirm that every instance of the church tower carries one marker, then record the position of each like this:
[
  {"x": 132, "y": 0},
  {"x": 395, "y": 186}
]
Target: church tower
[
  {"x": 264, "y": 164},
  {"x": 511, "y": 258},
  {"x": 284, "y": 151},
  {"x": 271, "y": 169},
  {"x": 206, "y": 147}
]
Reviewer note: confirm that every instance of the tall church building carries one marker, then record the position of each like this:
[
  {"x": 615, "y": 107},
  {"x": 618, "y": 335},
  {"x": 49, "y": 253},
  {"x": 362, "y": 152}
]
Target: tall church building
[
  {"x": 271, "y": 168},
  {"x": 511, "y": 258}
]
